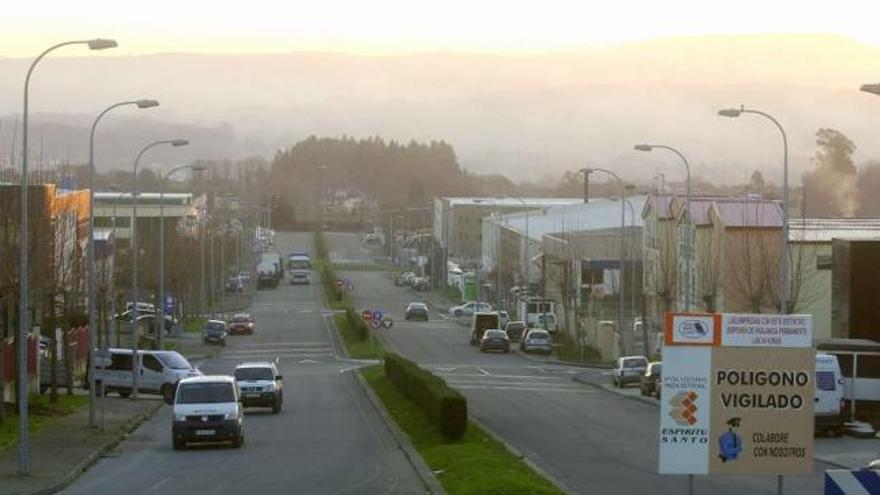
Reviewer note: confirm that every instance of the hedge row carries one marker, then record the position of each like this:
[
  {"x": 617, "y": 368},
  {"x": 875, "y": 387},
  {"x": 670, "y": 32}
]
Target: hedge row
[
  {"x": 444, "y": 406},
  {"x": 328, "y": 280}
]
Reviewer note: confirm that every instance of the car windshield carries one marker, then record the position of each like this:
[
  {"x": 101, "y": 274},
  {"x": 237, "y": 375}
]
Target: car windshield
[
  {"x": 634, "y": 363},
  {"x": 300, "y": 265},
  {"x": 174, "y": 361},
  {"x": 516, "y": 326},
  {"x": 495, "y": 334},
  {"x": 205, "y": 393},
  {"x": 245, "y": 374},
  {"x": 539, "y": 336},
  {"x": 215, "y": 326},
  {"x": 420, "y": 307},
  {"x": 241, "y": 319}
]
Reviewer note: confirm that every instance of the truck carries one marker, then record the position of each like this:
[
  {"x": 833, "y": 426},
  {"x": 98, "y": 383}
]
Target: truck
[
  {"x": 482, "y": 322},
  {"x": 532, "y": 310},
  {"x": 269, "y": 270},
  {"x": 300, "y": 266}
]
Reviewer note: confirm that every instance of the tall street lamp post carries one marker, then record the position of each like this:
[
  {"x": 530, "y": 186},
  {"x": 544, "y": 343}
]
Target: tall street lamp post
[
  {"x": 93, "y": 320},
  {"x": 689, "y": 280},
  {"x": 160, "y": 325},
  {"x": 622, "y": 241},
  {"x": 23, "y": 443},
  {"x": 134, "y": 263},
  {"x": 783, "y": 257}
]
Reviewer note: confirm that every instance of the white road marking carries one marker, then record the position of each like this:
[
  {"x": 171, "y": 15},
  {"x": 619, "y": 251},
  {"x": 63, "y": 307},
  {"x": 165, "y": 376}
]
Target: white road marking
[
  {"x": 307, "y": 361},
  {"x": 481, "y": 370}
]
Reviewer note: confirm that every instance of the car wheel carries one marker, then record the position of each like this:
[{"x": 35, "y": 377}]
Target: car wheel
[
  {"x": 168, "y": 393},
  {"x": 178, "y": 444},
  {"x": 238, "y": 440},
  {"x": 223, "y": 342},
  {"x": 276, "y": 406},
  {"x": 98, "y": 388},
  {"x": 458, "y": 313},
  {"x": 124, "y": 392}
]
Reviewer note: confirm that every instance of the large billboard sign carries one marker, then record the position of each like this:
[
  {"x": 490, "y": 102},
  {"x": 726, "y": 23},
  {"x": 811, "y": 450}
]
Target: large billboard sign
[{"x": 737, "y": 394}]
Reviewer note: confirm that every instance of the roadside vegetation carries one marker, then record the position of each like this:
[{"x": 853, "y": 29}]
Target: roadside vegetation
[
  {"x": 41, "y": 413},
  {"x": 474, "y": 464},
  {"x": 358, "y": 339}
]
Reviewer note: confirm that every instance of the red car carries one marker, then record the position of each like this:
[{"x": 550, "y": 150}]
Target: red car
[{"x": 241, "y": 323}]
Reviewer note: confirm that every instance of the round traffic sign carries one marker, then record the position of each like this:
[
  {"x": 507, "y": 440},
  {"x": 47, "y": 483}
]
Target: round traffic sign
[
  {"x": 375, "y": 324},
  {"x": 366, "y": 315},
  {"x": 377, "y": 315}
]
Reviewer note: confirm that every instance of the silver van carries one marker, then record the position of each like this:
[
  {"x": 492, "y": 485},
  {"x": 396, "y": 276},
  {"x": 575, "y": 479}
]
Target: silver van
[{"x": 159, "y": 372}]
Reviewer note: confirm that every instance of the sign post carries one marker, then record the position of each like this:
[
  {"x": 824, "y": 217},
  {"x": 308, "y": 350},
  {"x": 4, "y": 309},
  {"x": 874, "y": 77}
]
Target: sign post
[{"x": 737, "y": 395}]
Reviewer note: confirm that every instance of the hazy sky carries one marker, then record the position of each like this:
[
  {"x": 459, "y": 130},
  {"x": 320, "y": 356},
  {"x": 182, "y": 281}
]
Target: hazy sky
[{"x": 395, "y": 26}]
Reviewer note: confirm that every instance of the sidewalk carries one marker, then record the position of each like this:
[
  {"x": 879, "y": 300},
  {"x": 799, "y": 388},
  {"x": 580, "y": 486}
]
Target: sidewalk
[{"x": 61, "y": 452}]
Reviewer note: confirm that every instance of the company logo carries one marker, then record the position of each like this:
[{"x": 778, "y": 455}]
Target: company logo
[
  {"x": 692, "y": 329},
  {"x": 684, "y": 408}
]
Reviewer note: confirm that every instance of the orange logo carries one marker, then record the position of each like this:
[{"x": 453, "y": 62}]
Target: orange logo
[{"x": 684, "y": 408}]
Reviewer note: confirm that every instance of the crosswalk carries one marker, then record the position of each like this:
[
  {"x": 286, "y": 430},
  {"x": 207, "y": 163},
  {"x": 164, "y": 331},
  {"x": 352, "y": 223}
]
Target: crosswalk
[
  {"x": 473, "y": 377},
  {"x": 282, "y": 351}
]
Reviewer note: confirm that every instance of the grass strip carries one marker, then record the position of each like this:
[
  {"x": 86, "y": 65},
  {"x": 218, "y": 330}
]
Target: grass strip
[
  {"x": 359, "y": 349},
  {"x": 476, "y": 464},
  {"x": 41, "y": 413}
]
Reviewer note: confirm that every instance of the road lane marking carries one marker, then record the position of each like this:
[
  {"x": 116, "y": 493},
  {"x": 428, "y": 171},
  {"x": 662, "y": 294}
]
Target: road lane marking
[{"x": 481, "y": 370}]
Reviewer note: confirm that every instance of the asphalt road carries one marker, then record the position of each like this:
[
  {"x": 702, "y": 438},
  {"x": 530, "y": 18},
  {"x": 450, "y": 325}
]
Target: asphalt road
[
  {"x": 593, "y": 441},
  {"x": 327, "y": 440}
]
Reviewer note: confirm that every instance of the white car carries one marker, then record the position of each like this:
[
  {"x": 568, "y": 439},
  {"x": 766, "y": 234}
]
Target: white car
[
  {"x": 207, "y": 409},
  {"x": 629, "y": 369},
  {"x": 468, "y": 309},
  {"x": 260, "y": 385}
]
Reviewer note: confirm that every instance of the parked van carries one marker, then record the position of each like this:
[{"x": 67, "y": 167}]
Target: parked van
[
  {"x": 482, "y": 322},
  {"x": 207, "y": 409},
  {"x": 159, "y": 372},
  {"x": 829, "y": 394}
]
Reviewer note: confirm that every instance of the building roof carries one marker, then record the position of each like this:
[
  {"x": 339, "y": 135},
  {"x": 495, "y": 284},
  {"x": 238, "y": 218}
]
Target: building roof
[
  {"x": 511, "y": 201},
  {"x": 826, "y": 229},
  {"x": 598, "y": 214},
  {"x": 748, "y": 212}
]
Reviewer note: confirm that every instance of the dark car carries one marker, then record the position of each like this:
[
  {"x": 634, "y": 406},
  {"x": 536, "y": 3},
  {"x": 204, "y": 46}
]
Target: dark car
[
  {"x": 214, "y": 331},
  {"x": 650, "y": 382},
  {"x": 416, "y": 311},
  {"x": 515, "y": 330},
  {"x": 495, "y": 340},
  {"x": 241, "y": 323}
]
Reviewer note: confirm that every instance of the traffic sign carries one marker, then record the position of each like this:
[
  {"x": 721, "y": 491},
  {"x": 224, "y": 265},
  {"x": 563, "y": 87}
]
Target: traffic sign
[
  {"x": 377, "y": 315},
  {"x": 366, "y": 315},
  {"x": 375, "y": 324},
  {"x": 842, "y": 482},
  {"x": 387, "y": 323}
]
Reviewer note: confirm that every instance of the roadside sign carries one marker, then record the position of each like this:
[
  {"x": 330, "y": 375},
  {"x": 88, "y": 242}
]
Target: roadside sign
[
  {"x": 737, "y": 394},
  {"x": 387, "y": 323},
  {"x": 377, "y": 315},
  {"x": 375, "y": 324},
  {"x": 366, "y": 315}
]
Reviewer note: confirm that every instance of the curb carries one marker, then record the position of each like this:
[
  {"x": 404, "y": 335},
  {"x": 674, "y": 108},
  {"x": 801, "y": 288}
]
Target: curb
[
  {"x": 81, "y": 467},
  {"x": 595, "y": 366},
  {"x": 637, "y": 398},
  {"x": 425, "y": 473},
  {"x": 519, "y": 455}
]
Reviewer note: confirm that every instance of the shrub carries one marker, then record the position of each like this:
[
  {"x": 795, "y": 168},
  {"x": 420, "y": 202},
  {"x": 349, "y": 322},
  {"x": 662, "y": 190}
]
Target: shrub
[
  {"x": 356, "y": 323},
  {"x": 444, "y": 406}
]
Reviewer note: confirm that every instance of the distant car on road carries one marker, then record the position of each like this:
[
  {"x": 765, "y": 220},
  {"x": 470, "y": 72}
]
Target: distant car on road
[
  {"x": 207, "y": 409},
  {"x": 214, "y": 331},
  {"x": 495, "y": 340},
  {"x": 651, "y": 381},
  {"x": 416, "y": 311},
  {"x": 515, "y": 330},
  {"x": 468, "y": 309},
  {"x": 537, "y": 340},
  {"x": 242, "y": 323},
  {"x": 260, "y": 385},
  {"x": 234, "y": 284},
  {"x": 629, "y": 369}
]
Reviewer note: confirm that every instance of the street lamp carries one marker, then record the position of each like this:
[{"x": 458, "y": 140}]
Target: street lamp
[
  {"x": 616, "y": 177},
  {"x": 93, "y": 320},
  {"x": 134, "y": 262},
  {"x": 871, "y": 88},
  {"x": 689, "y": 287},
  {"x": 23, "y": 445},
  {"x": 160, "y": 326},
  {"x": 783, "y": 258}
]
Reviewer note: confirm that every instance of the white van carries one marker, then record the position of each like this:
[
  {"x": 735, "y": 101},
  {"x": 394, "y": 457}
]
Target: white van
[
  {"x": 159, "y": 372},
  {"x": 829, "y": 394},
  {"x": 207, "y": 409}
]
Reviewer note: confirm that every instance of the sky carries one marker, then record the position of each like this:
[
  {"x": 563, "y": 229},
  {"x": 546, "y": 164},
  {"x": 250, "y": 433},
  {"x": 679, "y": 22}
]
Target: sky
[{"x": 380, "y": 27}]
